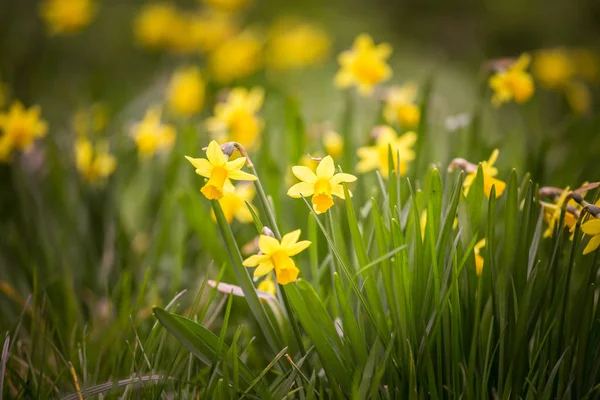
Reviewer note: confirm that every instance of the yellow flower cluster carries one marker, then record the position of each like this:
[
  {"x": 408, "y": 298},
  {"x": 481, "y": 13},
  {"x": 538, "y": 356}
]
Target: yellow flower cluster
[
  {"x": 296, "y": 44},
  {"x": 94, "y": 162},
  {"x": 400, "y": 107},
  {"x": 67, "y": 16},
  {"x": 513, "y": 83},
  {"x": 236, "y": 58},
  {"x": 186, "y": 91},
  {"x": 19, "y": 128}
]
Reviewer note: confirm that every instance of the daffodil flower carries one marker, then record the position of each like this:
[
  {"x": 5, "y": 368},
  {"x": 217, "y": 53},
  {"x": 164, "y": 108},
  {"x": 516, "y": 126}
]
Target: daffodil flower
[
  {"x": 151, "y": 135},
  {"x": 592, "y": 228},
  {"x": 233, "y": 202},
  {"x": 489, "y": 180},
  {"x": 364, "y": 66},
  {"x": 321, "y": 186},
  {"x": 94, "y": 163},
  {"x": 19, "y": 128},
  {"x": 377, "y": 156},
  {"x": 552, "y": 213},
  {"x": 67, "y": 17},
  {"x": 218, "y": 170},
  {"x": 514, "y": 83},
  {"x": 276, "y": 255},
  {"x": 186, "y": 91},
  {"x": 400, "y": 106},
  {"x": 267, "y": 285}
]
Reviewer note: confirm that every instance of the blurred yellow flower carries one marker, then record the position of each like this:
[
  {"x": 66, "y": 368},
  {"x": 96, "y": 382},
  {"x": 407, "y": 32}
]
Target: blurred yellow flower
[
  {"x": 185, "y": 94},
  {"x": 377, "y": 156},
  {"x": 364, "y": 66},
  {"x": 400, "y": 106},
  {"x": 553, "y": 68},
  {"x": 489, "y": 172},
  {"x": 67, "y": 16},
  {"x": 233, "y": 202},
  {"x": 333, "y": 143},
  {"x": 478, "y": 258},
  {"x": 277, "y": 255},
  {"x": 321, "y": 185},
  {"x": 513, "y": 83},
  {"x": 236, "y": 58},
  {"x": 236, "y": 118},
  {"x": 552, "y": 213},
  {"x": 90, "y": 120},
  {"x": 153, "y": 25},
  {"x": 209, "y": 28},
  {"x": 295, "y": 44},
  {"x": 218, "y": 170},
  {"x": 151, "y": 136},
  {"x": 19, "y": 127},
  {"x": 587, "y": 64},
  {"x": 94, "y": 163},
  {"x": 267, "y": 285},
  {"x": 579, "y": 97},
  {"x": 592, "y": 228},
  {"x": 227, "y": 5}
]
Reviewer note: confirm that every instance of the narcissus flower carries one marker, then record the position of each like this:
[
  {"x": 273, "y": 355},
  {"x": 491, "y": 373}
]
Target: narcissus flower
[
  {"x": 151, "y": 135},
  {"x": 186, "y": 91},
  {"x": 236, "y": 58},
  {"x": 554, "y": 68},
  {"x": 19, "y": 128},
  {"x": 296, "y": 44},
  {"x": 364, "y": 66},
  {"x": 513, "y": 83},
  {"x": 592, "y": 228},
  {"x": 153, "y": 25},
  {"x": 267, "y": 285},
  {"x": 276, "y": 255},
  {"x": 218, "y": 170},
  {"x": 236, "y": 118},
  {"x": 478, "y": 258},
  {"x": 233, "y": 202},
  {"x": 552, "y": 212},
  {"x": 66, "y": 16},
  {"x": 400, "y": 106},
  {"x": 321, "y": 186},
  {"x": 227, "y": 5},
  {"x": 377, "y": 156},
  {"x": 333, "y": 143},
  {"x": 94, "y": 163},
  {"x": 489, "y": 180}
]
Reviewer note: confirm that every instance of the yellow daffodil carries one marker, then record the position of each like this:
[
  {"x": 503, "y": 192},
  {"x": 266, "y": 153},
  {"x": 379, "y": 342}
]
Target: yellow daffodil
[
  {"x": 579, "y": 97},
  {"x": 552, "y": 213},
  {"x": 151, "y": 136},
  {"x": 67, "y": 16},
  {"x": 209, "y": 28},
  {"x": 276, "y": 255},
  {"x": 233, "y": 202},
  {"x": 321, "y": 185},
  {"x": 364, "y": 66},
  {"x": 592, "y": 228},
  {"x": 186, "y": 91},
  {"x": 236, "y": 58},
  {"x": 478, "y": 258},
  {"x": 553, "y": 68},
  {"x": 296, "y": 44},
  {"x": 218, "y": 170},
  {"x": 513, "y": 83},
  {"x": 267, "y": 285},
  {"x": 154, "y": 23},
  {"x": 90, "y": 120},
  {"x": 333, "y": 143},
  {"x": 489, "y": 180},
  {"x": 377, "y": 156},
  {"x": 400, "y": 106},
  {"x": 235, "y": 119},
  {"x": 94, "y": 163},
  {"x": 19, "y": 128},
  {"x": 227, "y": 5}
]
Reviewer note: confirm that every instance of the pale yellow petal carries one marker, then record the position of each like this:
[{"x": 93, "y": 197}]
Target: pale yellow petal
[
  {"x": 301, "y": 189},
  {"x": 593, "y": 244},
  {"x": 254, "y": 260},
  {"x": 240, "y": 175},
  {"x": 304, "y": 174},
  {"x": 326, "y": 168},
  {"x": 236, "y": 164},
  {"x": 297, "y": 247},
  {"x": 342, "y": 177},
  {"x": 290, "y": 238},
  {"x": 263, "y": 269},
  {"x": 267, "y": 244},
  {"x": 215, "y": 154},
  {"x": 338, "y": 190},
  {"x": 591, "y": 227},
  {"x": 202, "y": 165}
]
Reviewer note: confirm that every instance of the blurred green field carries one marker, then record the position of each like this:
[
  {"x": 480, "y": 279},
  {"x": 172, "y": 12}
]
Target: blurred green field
[{"x": 447, "y": 274}]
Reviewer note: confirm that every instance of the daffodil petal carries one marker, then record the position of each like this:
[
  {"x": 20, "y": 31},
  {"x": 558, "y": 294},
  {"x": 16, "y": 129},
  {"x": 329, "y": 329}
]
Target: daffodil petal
[
  {"x": 254, "y": 260},
  {"x": 297, "y": 247},
  {"x": 236, "y": 164},
  {"x": 301, "y": 189},
  {"x": 326, "y": 168},
  {"x": 304, "y": 174},
  {"x": 290, "y": 238},
  {"x": 263, "y": 269},
  {"x": 267, "y": 244},
  {"x": 214, "y": 154},
  {"x": 202, "y": 165},
  {"x": 240, "y": 175},
  {"x": 592, "y": 244},
  {"x": 591, "y": 227},
  {"x": 338, "y": 190},
  {"x": 342, "y": 177}
]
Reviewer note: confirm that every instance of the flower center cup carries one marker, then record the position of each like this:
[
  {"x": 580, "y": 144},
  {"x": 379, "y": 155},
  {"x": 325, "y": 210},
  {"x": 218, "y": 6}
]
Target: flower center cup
[{"x": 213, "y": 189}]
